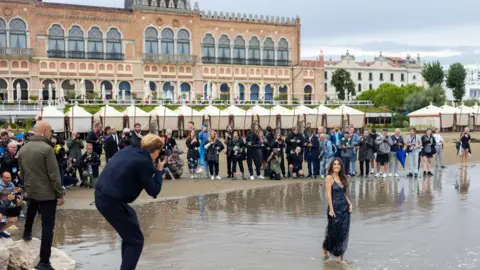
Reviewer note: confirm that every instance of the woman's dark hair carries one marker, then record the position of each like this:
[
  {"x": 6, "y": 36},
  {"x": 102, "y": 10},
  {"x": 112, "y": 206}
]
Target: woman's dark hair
[
  {"x": 269, "y": 129},
  {"x": 107, "y": 129},
  {"x": 341, "y": 174}
]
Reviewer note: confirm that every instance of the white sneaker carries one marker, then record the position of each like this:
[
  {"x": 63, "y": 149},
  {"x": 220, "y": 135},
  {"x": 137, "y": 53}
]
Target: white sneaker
[
  {"x": 390, "y": 175},
  {"x": 384, "y": 175},
  {"x": 372, "y": 171},
  {"x": 191, "y": 177},
  {"x": 377, "y": 175},
  {"x": 396, "y": 175},
  {"x": 261, "y": 177},
  {"x": 213, "y": 178},
  {"x": 199, "y": 170},
  {"x": 252, "y": 178},
  {"x": 218, "y": 177}
]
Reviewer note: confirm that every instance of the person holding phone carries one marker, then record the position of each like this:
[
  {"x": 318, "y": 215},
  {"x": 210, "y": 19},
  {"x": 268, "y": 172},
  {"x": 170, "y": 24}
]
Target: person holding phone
[{"x": 124, "y": 177}]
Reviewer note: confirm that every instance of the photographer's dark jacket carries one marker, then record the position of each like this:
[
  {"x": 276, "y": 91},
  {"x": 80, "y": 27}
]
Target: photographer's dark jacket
[
  {"x": 280, "y": 145},
  {"x": 240, "y": 153},
  {"x": 135, "y": 140},
  {"x": 383, "y": 144},
  {"x": 110, "y": 146},
  {"x": 94, "y": 161},
  {"x": 170, "y": 145},
  {"x": 428, "y": 145},
  {"x": 314, "y": 149},
  {"x": 213, "y": 149},
  {"x": 255, "y": 146},
  {"x": 292, "y": 143},
  {"x": 193, "y": 152},
  {"x": 9, "y": 163},
  {"x": 75, "y": 150},
  {"x": 93, "y": 138}
]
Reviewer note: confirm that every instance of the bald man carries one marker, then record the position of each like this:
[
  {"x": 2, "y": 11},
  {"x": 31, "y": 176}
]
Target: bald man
[{"x": 43, "y": 185}]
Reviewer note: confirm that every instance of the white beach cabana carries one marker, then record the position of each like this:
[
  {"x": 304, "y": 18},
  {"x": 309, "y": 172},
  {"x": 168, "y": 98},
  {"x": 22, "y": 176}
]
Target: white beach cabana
[
  {"x": 238, "y": 118},
  {"x": 426, "y": 117},
  {"x": 165, "y": 118},
  {"x": 79, "y": 119},
  {"x": 54, "y": 117},
  {"x": 352, "y": 116},
  {"x": 303, "y": 113},
  {"x": 109, "y": 116},
  {"x": 467, "y": 116},
  {"x": 476, "y": 117},
  {"x": 188, "y": 114},
  {"x": 215, "y": 117},
  {"x": 259, "y": 114},
  {"x": 282, "y": 117},
  {"x": 137, "y": 115}
]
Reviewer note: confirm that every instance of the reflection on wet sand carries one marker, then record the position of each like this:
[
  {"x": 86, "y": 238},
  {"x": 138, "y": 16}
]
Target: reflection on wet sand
[{"x": 396, "y": 224}]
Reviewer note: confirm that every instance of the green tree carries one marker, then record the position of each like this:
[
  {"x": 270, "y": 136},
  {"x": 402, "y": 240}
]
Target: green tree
[
  {"x": 391, "y": 96},
  {"x": 470, "y": 102},
  {"x": 412, "y": 88},
  {"x": 434, "y": 95},
  {"x": 456, "y": 80},
  {"x": 367, "y": 95},
  {"x": 343, "y": 83},
  {"x": 433, "y": 73}
]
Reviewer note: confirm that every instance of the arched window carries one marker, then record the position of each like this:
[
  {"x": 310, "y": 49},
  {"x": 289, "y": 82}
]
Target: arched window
[
  {"x": 185, "y": 89},
  {"x": 151, "y": 40},
  {"x": 167, "y": 41},
  {"x": 241, "y": 91},
  {"x": 69, "y": 89},
  {"x": 3, "y": 90},
  {"x": 76, "y": 44},
  {"x": 224, "y": 92},
  {"x": 108, "y": 89},
  {"x": 370, "y": 87},
  {"x": 56, "y": 42},
  {"x": 89, "y": 87},
  {"x": 254, "y": 90},
  {"x": 224, "y": 50},
  {"x": 114, "y": 45},
  {"x": 95, "y": 43},
  {"x": 183, "y": 42},
  {"x": 18, "y": 34},
  {"x": 282, "y": 53},
  {"x": 268, "y": 93},
  {"x": 168, "y": 91},
  {"x": 3, "y": 34},
  {"x": 23, "y": 89},
  {"x": 47, "y": 84},
  {"x": 208, "y": 49},
  {"x": 254, "y": 51},
  {"x": 307, "y": 94},
  {"x": 124, "y": 86},
  {"x": 283, "y": 94},
  {"x": 239, "y": 51},
  {"x": 268, "y": 52}
]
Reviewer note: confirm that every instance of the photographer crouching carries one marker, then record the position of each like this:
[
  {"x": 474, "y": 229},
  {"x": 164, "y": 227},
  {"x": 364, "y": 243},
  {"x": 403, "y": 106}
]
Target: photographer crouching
[
  {"x": 122, "y": 180},
  {"x": 10, "y": 203},
  {"x": 274, "y": 161}
]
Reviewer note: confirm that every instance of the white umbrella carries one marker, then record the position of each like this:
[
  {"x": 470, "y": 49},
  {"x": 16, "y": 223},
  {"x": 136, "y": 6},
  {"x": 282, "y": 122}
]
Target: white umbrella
[
  {"x": 262, "y": 91},
  {"x": 214, "y": 91},
  {"x": 209, "y": 90},
  {"x": 123, "y": 94},
  {"x": 146, "y": 91},
  {"x": 83, "y": 91},
  {"x": 237, "y": 91},
  {"x": 19, "y": 92},
  {"x": 61, "y": 96},
  {"x": 104, "y": 93},
  {"x": 50, "y": 94}
]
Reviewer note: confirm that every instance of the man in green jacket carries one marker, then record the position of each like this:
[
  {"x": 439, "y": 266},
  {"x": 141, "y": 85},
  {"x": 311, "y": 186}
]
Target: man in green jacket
[{"x": 39, "y": 169}]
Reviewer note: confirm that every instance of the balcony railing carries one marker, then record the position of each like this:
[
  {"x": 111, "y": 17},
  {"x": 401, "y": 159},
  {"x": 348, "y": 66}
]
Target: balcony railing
[
  {"x": 268, "y": 62},
  {"x": 283, "y": 63},
  {"x": 169, "y": 58},
  {"x": 95, "y": 55},
  {"x": 15, "y": 52},
  {"x": 239, "y": 61},
  {"x": 114, "y": 56},
  {"x": 243, "y": 61},
  {"x": 224, "y": 60},
  {"x": 254, "y": 61},
  {"x": 209, "y": 60},
  {"x": 76, "y": 54},
  {"x": 56, "y": 54}
]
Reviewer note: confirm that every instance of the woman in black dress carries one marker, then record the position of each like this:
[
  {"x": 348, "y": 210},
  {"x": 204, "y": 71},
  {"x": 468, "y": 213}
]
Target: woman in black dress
[
  {"x": 428, "y": 150},
  {"x": 464, "y": 150},
  {"x": 338, "y": 212},
  {"x": 193, "y": 154}
]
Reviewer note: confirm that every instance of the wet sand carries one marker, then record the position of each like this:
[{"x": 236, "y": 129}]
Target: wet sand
[
  {"x": 79, "y": 198},
  {"x": 426, "y": 223}
]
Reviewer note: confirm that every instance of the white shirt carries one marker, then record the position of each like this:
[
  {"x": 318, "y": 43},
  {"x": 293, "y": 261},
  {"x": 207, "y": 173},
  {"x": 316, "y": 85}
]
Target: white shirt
[{"x": 438, "y": 139}]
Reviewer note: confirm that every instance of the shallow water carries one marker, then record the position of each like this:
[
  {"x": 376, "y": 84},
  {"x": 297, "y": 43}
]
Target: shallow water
[{"x": 429, "y": 223}]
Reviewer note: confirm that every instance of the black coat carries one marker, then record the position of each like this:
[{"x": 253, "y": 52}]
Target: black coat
[
  {"x": 8, "y": 162},
  {"x": 110, "y": 146},
  {"x": 240, "y": 152},
  {"x": 93, "y": 161},
  {"x": 213, "y": 150},
  {"x": 94, "y": 139},
  {"x": 292, "y": 143},
  {"x": 193, "y": 151},
  {"x": 135, "y": 140}
]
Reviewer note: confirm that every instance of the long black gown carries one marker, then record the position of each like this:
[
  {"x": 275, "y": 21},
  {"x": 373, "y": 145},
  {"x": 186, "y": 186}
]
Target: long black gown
[{"x": 336, "y": 234}]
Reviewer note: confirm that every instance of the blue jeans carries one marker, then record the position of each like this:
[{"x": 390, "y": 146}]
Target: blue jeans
[
  {"x": 413, "y": 161},
  {"x": 353, "y": 163},
  {"x": 346, "y": 163},
  {"x": 312, "y": 159},
  {"x": 325, "y": 165}
]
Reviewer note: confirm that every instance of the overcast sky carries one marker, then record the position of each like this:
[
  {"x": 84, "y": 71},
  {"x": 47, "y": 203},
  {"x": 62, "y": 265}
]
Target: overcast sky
[{"x": 442, "y": 29}]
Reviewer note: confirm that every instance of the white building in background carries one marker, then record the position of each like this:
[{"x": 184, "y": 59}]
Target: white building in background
[
  {"x": 472, "y": 82},
  {"x": 369, "y": 75}
]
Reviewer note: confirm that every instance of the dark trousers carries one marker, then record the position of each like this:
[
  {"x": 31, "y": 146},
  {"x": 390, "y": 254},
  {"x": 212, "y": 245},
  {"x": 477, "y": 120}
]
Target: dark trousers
[
  {"x": 313, "y": 165},
  {"x": 124, "y": 220},
  {"x": 346, "y": 163},
  {"x": 254, "y": 157},
  {"x": 68, "y": 180},
  {"x": 367, "y": 166},
  {"x": 236, "y": 161},
  {"x": 48, "y": 210},
  {"x": 230, "y": 163},
  {"x": 282, "y": 165},
  {"x": 213, "y": 167}
]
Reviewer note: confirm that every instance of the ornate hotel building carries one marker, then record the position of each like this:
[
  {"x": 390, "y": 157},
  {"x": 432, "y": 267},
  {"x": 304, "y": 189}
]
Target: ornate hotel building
[{"x": 170, "y": 46}]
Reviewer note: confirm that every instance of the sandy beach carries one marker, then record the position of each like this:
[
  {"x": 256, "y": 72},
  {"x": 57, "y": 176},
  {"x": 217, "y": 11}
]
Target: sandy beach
[{"x": 81, "y": 198}]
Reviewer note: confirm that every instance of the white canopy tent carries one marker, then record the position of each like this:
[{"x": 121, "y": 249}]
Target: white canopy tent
[
  {"x": 217, "y": 118},
  {"x": 259, "y": 114},
  {"x": 54, "y": 117},
  {"x": 241, "y": 120},
  {"x": 166, "y": 118},
  {"x": 79, "y": 119},
  {"x": 476, "y": 115},
  {"x": 109, "y": 116},
  {"x": 354, "y": 117},
  {"x": 426, "y": 117},
  {"x": 327, "y": 117},
  {"x": 285, "y": 117},
  {"x": 189, "y": 114},
  {"x": 137, "y": 115}
]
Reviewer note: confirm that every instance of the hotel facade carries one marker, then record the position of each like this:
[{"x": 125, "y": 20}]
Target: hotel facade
[{"x": 169, "y": 46}]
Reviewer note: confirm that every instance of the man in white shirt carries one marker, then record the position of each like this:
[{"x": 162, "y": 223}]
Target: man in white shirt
[{"x": 439, "y": 147}]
